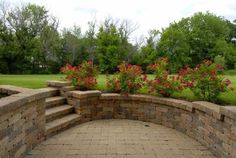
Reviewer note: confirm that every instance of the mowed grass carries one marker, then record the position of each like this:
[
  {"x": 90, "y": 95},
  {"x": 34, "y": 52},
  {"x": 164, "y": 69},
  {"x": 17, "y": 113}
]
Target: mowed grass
[
  {"x": 28, "y": 81},
  {"x": 39, "y": 81}
]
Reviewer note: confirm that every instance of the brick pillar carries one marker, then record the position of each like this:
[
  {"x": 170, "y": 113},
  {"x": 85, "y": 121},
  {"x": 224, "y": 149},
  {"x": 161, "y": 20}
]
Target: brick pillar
[{"x": 85, "y": 103}]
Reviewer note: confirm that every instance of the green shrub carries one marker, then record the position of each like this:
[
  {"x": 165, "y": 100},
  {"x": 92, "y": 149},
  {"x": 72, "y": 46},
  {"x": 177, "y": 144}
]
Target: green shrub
[
  {"x": 82, "y": 76},
  {"x": 204, "y": 80},
  {"x": 128, "y": 79},
  {"x": 220, "y": 60},
  {"x": 163, "y": 83}
]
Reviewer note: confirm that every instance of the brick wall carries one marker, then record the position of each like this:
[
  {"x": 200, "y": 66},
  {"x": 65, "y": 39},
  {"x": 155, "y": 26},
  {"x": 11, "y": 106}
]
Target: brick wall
[
  {"x": 22, "y": 120},
  {"x": 212, "y": 125}
]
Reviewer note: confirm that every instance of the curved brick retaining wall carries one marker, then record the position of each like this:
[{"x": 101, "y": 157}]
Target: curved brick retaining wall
[
  {"x": 212, "y": 125},
  {"x": 22, "y": 119}
]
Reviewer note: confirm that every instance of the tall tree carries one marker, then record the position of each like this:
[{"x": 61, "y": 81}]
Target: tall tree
[
  {"x": 232, "y": 33},
  {"x": 108, "y": 44},
  {"x": 50, "y": 49},
  {"x": 126, "y": 28},
  {"x": 91, "y": 41},
  {"x": 194, "y": 39},
  {"x": 29, "y": 24},
  {"x": 149, "y": 51},
  {"x": 71, "y": 44}
]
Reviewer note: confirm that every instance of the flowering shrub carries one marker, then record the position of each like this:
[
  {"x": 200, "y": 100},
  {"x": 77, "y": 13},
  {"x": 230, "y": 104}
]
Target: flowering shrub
[
  {"x": 127, "y": 80},
  {"x": 82, "y": 76},
  {"x": 163, "y": 84},
  {"x": 204, "y": 80}
]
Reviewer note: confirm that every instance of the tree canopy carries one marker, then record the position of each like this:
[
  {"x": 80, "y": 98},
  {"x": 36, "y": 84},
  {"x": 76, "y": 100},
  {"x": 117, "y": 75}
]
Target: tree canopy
[
  {"x": 193, "y": 39},
  {"x": 31, "y": 42}
]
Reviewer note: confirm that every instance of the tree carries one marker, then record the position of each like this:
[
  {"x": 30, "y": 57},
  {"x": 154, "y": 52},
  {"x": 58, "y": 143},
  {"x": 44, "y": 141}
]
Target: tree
[
  {"x": 8, "y": 54},
  {"x": 30, "y": 39},
  {"x": 50, "y": 47},
  {"x": 148, "y": 51},
  {"x": 71, "y": 44},
  {"x": 30, "y": 25},
  {"x": 174, "y": 45},
  {"x": 91, "y": 41},
  {"x": 194, "y": 39},
  {"x": 232, "y": 33},
  {"x": 108, "y": 43},
  {"x": 7, "y": 43},
  {"x": 126, "y": 28}
]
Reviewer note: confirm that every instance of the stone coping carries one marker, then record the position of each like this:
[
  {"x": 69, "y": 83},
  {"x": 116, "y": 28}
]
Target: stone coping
[
  {"x": 84, "y": 94},
  {"x": 58, "y": 84},
  {"x": 14, "y": 101},
  {"x": 211, "y": 109},
  {"x": 229, "y": 111},
  {"x": 185, "y": 105},
  {"x": 9, "y": 89}
]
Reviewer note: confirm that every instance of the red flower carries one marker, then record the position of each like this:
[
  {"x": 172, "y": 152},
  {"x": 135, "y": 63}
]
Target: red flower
[
  {"x": 70, "y": 67},
  {"x": 117, "y": 87},
  {"x": 82, "y": 76},
  {"x": 213, "y": 75},
  {"x": 162, "y": 91},
  {"x": 190, "y": 84},
  {"x": 145, "y": 77},
  {"x": 219, "y": 67},
  {"x": 227, "y": 82},
  {"x": 182, "y": 72},
  {"x": 187, "y": 66},
  {"x": 197, "y": 66}
]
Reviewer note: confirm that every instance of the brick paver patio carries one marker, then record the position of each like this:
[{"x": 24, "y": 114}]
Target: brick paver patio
[{"x": 120, "y": 139}]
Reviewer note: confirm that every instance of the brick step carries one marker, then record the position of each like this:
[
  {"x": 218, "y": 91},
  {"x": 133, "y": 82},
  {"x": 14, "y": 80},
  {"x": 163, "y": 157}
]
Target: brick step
[
  {"x": 55, "y": 101},
  {"x": 58, "y": 112},
  {"x": 63, "y": 123}
]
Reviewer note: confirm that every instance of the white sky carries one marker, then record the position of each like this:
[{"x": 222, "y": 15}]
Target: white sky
[{"x": 148, "y": 14}]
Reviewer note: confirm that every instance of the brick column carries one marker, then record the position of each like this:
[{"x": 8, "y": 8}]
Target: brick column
[{"x": 85, "y": 103}]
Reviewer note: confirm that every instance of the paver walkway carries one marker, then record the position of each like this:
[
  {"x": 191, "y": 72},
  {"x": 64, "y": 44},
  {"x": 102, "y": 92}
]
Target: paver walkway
[{"x": 120, "y": 139}]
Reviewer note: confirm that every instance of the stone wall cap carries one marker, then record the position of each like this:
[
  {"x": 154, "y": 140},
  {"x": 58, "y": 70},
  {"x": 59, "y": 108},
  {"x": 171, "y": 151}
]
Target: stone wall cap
[
  {"x": 85, "y": 94},
  {"x": 15, "y": 89},
  {"x": 181, "y": 104},
  {"x": 209, "y": 108},
  {"x": 58, "y": 84},
  {"x": 16, "y": 100},
  {"x": 177, "y": 103},
  {"x": 228, "y": 111},
  {"x": 48, "y": 91},
  {"x": 68, "y": 88},
  {"x": 117, "y": 96},
  {"x": 110, "y": 96}
]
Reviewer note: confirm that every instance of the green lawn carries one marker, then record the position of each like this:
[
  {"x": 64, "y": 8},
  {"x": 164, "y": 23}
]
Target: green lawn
[
  {"x": 28, "y": 81},
  {"x": 39, "y": 81}
]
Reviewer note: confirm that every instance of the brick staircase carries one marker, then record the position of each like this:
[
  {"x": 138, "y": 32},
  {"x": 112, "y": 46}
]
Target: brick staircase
[{"x": 59, "y": 115}]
